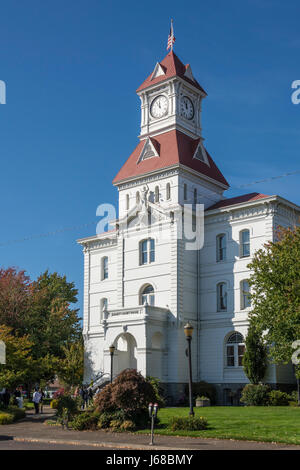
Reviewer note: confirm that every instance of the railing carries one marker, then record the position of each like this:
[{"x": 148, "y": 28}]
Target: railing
[{"x": 143, "y": 310}]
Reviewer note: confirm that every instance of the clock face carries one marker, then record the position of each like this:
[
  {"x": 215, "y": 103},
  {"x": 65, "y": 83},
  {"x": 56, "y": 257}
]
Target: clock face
[
  {"x": 187, "y": 108},
  {"x": 159, "y": 106}
]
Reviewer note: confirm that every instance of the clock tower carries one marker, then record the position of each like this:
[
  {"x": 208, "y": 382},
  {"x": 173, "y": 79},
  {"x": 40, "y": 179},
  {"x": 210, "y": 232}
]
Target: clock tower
[
  {"x": 171, "y": 99},
  {"x": 170, "y": 157}
]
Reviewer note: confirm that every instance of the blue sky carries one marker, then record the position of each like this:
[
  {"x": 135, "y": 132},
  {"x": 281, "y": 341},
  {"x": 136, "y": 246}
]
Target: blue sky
[{"x": 72, "y": 116}]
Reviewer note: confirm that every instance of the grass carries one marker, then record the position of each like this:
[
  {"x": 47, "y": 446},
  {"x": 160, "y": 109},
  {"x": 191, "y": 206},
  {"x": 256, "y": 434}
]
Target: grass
[{"x": 255, "y": 423}]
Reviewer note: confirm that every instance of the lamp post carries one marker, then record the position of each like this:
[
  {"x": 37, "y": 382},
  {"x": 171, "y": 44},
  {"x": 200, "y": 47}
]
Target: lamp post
[
  {"x": 188, "y": 331},
  {"x": 112, "y": 351}
]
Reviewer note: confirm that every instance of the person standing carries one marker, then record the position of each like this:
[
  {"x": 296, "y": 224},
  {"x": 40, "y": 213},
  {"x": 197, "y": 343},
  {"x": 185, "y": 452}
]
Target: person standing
[
  {"x": 36, "y": 400},
  {"x": 42, "y": 398}
]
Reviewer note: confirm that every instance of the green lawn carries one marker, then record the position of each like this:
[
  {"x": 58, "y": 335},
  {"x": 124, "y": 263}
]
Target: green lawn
[{"x": 255, "y": 423}]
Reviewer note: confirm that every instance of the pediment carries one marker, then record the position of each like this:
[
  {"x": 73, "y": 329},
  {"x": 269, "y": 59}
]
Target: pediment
[
  {"x": 158, "y": 71},
  {"x": 148, "y": 151}
]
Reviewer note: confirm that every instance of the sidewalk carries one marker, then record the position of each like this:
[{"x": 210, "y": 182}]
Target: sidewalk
[{"x": 33, "y": 429}]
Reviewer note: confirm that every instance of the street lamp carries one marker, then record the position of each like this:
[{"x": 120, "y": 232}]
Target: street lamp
[
  {"x": 112, "y": 351},
  {"x": 188, "y": 331}
]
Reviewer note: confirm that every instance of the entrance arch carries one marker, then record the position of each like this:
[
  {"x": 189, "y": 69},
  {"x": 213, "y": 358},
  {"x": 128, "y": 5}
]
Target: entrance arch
[{"x": 125, "y": 353}]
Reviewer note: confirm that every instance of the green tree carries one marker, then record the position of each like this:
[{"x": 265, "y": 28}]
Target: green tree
[
  {"x": 19, "y": 363},
  {"x": 276, "y": 294},
  {"x": 70, "y": 370},
  {"x": 255, "y": 357},
  {"x": 41, "y": 311}
]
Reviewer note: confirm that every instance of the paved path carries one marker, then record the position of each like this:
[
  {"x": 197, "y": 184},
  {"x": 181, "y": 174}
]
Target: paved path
[{"x": 33, "y": 430}]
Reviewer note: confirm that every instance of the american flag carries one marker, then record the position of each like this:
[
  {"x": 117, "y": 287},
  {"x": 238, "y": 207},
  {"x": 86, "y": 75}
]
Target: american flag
[{"x": 171, "y": 37}]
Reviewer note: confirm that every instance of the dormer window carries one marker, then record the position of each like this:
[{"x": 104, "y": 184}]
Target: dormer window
[
  {"x": 149, "y": 151},
  {"x": 200, "y": 154}
]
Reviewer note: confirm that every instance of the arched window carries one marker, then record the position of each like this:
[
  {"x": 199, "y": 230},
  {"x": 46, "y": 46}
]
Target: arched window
[
  {"x": 244, "y": 243},
  {"x": 235, "y": 349},
  {"x": 195, "y": 196},
  {"x": 221, "y": 297},
  {"x": 245, "y": 294},
  {"x": 156, "y": 194},
  {"x": 185, "y": 191},
  {"x": 137, "y": 197},
  {"x": 103, "y": 308},
  {"x": 104, "y": 268},
  {"x": 221, "y": 247},
  {"x": 127, "y": 202},
  {"x": 168, "y": 191},
  {"x": 147, "y": 251},
  {"x": 147, "y": 296}
]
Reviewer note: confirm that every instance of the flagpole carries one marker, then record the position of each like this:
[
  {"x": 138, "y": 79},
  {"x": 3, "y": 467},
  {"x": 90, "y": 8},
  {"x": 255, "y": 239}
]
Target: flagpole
[{"x": 172, "y": 34}]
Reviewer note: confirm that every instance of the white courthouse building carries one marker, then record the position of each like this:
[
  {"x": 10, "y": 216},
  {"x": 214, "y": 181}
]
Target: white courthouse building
[{"x": 142, "y": 284}]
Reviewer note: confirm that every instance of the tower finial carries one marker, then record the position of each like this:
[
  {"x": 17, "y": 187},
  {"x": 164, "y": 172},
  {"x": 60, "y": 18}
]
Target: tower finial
[{"x": 171, "y": 37}]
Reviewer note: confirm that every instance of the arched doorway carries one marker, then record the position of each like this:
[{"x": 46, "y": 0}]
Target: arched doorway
[{"x": 125, "y": 353}]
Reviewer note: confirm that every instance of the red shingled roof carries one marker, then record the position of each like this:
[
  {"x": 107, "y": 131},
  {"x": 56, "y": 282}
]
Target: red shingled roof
[
  {"x": 238, "y": 200},
  {"x": 174, "y": 148},
  {"x": 172, "y": 66}
]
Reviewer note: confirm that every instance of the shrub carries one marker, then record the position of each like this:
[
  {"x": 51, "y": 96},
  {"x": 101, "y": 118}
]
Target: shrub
[
  {"x": 85, "y": 420},
  {"x": 54, "y": 404},
  {"x": 255, "y": 395},
  {"x": 106, "y": 418},
  {"x": 188, "y": 423},
  {"x": 18, "y": 413},
  {"x": 6, "y": 418},
  {"x": 293, "y": 398},
  {"x": 278, "y": 398},
  {"x": 65, "y": 405},
  {"x": 129, "y": 392},
  {"x": 159, "y": 399},
  {"x": 127, "y": 425},
  {"x": 11, "y": 414},
  {"x": 115, "y": 425}
]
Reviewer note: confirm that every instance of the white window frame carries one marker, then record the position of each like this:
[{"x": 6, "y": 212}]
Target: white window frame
[
  {"x": 104, "y": 268},
  {"x": 219, "y": 248},
  {"x": 147, "y": 298},
  {"x": 243, "y": 244},
  {"x": 235, "y": 347},
  {"x": 149, "y": 243}
]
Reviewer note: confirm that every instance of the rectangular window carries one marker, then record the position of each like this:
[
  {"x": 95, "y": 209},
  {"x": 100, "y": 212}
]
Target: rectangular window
[
  {"x": 246, "y": 301},
  {"x": 222, "y": 297},
  {"x": 144, "y": 252},
  {"x": 230, "y": 356},
  {"x": 245, "y": 243},
  {"x": 105, "y": 268},
  {"x": 221, "y": 247},
  {"x": 152, "y": 251}
]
